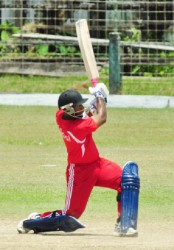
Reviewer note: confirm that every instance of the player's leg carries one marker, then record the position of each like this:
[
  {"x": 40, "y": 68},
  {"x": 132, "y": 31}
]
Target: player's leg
[
  {"x": 129, "y": 199},
  {"x": 49, "y": 221},
  {"x": 126, "y": 182},
  {"x": 110, "y": 177},
  {"x": 55, "y": 223},
  {"x": 80, "y": 182},
  {"x": 127, "y": 223}
]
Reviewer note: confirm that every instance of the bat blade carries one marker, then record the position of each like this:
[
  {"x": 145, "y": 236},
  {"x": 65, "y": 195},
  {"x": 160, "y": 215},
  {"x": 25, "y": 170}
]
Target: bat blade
[{"x": 87, "y": 52}]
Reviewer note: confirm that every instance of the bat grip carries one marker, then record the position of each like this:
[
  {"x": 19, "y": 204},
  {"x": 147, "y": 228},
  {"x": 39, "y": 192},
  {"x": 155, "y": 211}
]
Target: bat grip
[{"x": 94, "y": 81}]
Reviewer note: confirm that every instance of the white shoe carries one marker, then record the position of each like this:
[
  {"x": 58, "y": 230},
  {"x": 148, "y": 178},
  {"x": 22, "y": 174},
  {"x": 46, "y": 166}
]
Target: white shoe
[
  {"x": 131, "y": 232},
  {"x": 33, "y": 216},
  {"x": 20, "y": 228}
]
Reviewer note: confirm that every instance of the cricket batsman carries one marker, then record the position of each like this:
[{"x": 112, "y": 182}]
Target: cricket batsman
[{"x": 87, "y": 169}]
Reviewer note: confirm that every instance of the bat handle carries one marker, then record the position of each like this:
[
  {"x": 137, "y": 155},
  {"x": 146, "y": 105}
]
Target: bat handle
[{"x": 94, "y": 81}]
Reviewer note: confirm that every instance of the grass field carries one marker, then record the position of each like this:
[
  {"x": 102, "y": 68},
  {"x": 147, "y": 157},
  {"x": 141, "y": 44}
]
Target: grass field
[
  {"x": 42, "y": 84},
  {"x": 30, "y": 140}
]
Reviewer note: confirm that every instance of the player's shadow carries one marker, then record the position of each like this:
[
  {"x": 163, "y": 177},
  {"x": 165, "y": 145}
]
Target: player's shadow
[{"x": 74, "y": 234}]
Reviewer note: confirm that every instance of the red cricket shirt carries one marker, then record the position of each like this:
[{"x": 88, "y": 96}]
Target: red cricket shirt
[{"x": 77, "y": 135}]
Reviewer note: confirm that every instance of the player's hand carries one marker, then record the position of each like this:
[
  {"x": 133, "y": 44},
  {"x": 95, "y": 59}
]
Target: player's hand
[
  {"x": 100, "y": 90},
  {"x": 93, "y": 108}
]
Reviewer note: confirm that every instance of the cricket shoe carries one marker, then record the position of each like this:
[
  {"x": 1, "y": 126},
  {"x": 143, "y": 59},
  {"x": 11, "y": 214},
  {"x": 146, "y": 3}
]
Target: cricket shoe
[
  {"x": 20, "y": 227},
  {"x": 131, "y": 232}
]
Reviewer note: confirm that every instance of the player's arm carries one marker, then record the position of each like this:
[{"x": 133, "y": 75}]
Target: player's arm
[
  {"x": 100, "y": 114},
  {"x": 100, "y": 92}
]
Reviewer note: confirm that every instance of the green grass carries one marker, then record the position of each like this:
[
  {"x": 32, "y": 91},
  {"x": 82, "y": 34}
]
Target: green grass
[
  {"x": 43, "y": 84},
  {"x": 29, "y": 139}
]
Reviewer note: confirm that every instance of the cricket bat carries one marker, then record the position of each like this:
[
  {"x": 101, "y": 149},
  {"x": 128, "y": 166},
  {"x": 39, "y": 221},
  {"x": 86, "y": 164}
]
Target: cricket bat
[{"x": 87, "y": 52}]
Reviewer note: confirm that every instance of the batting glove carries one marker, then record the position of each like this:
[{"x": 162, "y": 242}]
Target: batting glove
[
  {"x": 100, "y": 90},
  {"x": 93, "y": 108}
]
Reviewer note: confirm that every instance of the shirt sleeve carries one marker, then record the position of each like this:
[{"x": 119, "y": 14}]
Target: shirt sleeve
[{"x": 59, "y": 114}]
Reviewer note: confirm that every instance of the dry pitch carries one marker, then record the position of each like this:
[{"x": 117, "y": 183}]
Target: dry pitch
[{"x": 97, "y": 235}]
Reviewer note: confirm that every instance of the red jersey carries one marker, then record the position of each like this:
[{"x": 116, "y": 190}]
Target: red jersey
[{"x": 77, "y": 135}]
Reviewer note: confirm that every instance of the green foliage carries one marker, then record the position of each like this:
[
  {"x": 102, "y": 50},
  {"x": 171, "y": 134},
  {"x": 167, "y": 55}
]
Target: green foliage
[
  {"x": 6, "y": 44},
  {"x": 136, "y": 69},
  {"x": 9, "y": 50},
  {"x": 68, "y": 51},
  {"x": 42, "y": 50},
  {"x": 155, "y": 70},
  {"x": 4, "y": 35},
  {"x": 133, "y": 36},
  {"x": 9, "y": 27}
]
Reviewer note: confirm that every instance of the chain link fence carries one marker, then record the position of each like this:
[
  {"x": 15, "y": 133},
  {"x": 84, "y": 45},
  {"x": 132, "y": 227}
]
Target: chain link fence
[{"x": 37, "y": 36}]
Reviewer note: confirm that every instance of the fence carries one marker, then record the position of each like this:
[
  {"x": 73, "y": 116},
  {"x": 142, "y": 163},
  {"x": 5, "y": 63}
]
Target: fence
[{"x": 45, "y": 28}]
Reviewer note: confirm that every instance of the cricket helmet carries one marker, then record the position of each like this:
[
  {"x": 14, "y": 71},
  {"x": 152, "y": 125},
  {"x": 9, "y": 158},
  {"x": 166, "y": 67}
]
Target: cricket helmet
[{"x": 70, "y": 97}]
